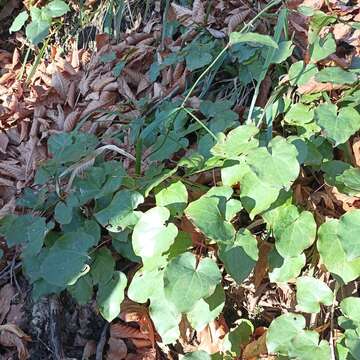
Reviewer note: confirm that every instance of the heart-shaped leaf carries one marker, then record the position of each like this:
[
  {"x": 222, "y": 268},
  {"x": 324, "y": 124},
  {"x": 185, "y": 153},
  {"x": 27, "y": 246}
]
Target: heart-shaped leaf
[
  {"x": 151, "y": 237},
  {"x": 174, "y": 197},
  {"x": 114, "y": 217},
  {"x": 111, "y": 295},
  {"x": 209, "y": 215},
  {"x": 311, "y": 292},
  {"x": 243, "y": 250},
  {"x": 186, "y": 282},
  {"x": 337, "y": 125},
  {"x": 281, "y": 331},
  {"x": 331, "y": 248}
]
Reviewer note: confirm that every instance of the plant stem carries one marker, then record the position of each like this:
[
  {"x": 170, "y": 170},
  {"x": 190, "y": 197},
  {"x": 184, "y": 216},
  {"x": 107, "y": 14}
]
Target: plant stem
[
  {"x": 332, "y": 311},
  {"x": 23, "y": 66},
  {"x": 138, "y": 155},
  {"x": 201, "y": 123},
  {"x": 204, "y": 73}
]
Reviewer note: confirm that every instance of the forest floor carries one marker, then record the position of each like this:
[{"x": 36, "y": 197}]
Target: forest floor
[{"x": 123, "y": 81}]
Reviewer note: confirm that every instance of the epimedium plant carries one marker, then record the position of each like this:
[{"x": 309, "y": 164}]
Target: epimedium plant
[{"x": 65, "y": 239}]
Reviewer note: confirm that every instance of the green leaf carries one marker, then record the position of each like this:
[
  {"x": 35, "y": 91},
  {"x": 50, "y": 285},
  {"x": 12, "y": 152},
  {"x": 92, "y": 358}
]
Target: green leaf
[
  {"x": 237, "y": 338},
  {"x": 286, "y": 269},
  {"x": 57, "y": 8},
  {"x": 263, "y": 173},
  {"x": 65, "y": 262},
  {"x": 294, "y": 234},
  {"x": 299, "y": 114},
  {"x": 19, "y": 21},
  {"x": 174, "y": 197},
  {"x": 322, "y": 47},
  {"x": 352, "y": 342},
  {"x": 300, "y": 74},
  {"x": 311, "y": 292},
  {"x": 63, "y": 213},
  {"x": 350, "y": 178},
  {"x": 243, "y": 250},
  {"x": 207, "y": 310},
  {"x": 335, "y": 75},
  {"x": 82, "y": 290},
  {"x": 331, "y": 249},
  {"x": 102, "y": 268},
  {"x": 111, "y": 295},
  {"x": 151, "y": 237},
  {"x": 285, "y": 50},
  {"x": 71, "y": 147},
  {"x": 197, "y": 355},
  {"x": 337, "y": 125},
  {"x": 350, "y": 308},
  {"x": 238, "y": 141},
  {"x": 115, "y": 216},
  {"x": 185, "y": 282},
  {"x": 198, "y": 60},
  {"x": 250, "y": 37},
  {"x": 37, "y": 31},
  {"x": 205, "y": 213},
  {"x": 150, "y": 285},
  {"x": 305, "y": 346},
  {"x": 281, "y": 331},
  {"x": 26, "y": 230}
]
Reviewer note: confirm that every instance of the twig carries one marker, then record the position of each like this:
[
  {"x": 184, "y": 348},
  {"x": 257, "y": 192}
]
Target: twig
[
  {"x": 55, "y": 334},
  {"x": 101, "y": 343}
]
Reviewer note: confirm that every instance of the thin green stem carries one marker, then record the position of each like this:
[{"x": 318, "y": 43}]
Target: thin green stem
[
  {"x": 23, "y": 66},
  {"x": 37, "y": 61},
  {"x": 138, "y": 156},
  {"x": 259, "y": 14},
  {"x": 222, "y": 52},
  {"x": 202, "y": 124}
]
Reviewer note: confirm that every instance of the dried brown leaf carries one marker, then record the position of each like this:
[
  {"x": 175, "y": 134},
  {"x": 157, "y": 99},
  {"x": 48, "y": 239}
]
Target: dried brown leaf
[
  {"x": 123, "y": 331},
  {"x": 237, "y": 19},
  {"x": 356, "y": 150},
  {"x": 7, "y": 293},
  {"x": 182, "y": 14},
  {"x": 99, "y": 83},
  {"x": 117, "y": 349},
  {"x": 256, "y": 348},
  {"x": 4, "y": 141},
  {"x": 60, "y": 84},
  {"x": 198, "y": 12},
  {"x": 71, "y": 96},
  {"x": 13, "y": 336},
  {"x": 313, "y": 86},
  {"x": 89, "y": 350}
]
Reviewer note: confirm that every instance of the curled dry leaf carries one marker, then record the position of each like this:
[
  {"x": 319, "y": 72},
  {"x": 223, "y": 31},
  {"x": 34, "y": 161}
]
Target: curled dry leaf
[
  {"x": 123, "y": 331},
  {"x": 13, "y": 336},
  {"x": 7, "y": 293},
  {"x": 256, "y": 348},
  {"x": 117, "y": 349},
  {"x": 89, "y": 350},
  {"x": 4, "y": 141},
  {"x": 211, "y": 338},
  {"x": 356, "y": 150},
  {"x": 60, "y": 84},
  {"x": 312, "y": 86},
  {"x": 71, "y": 120},
  {"x": 198, "y": 12},
  {"x": 237, "y": 19}
]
